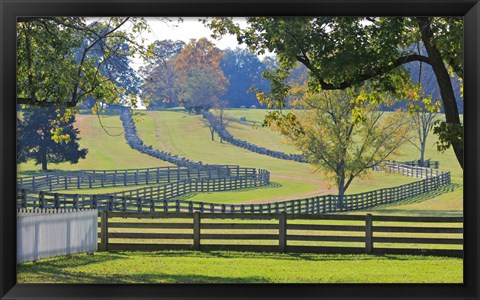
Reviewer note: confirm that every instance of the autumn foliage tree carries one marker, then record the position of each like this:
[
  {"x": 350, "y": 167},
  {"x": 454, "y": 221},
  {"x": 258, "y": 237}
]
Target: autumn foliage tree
[
  {"x": 341, "y": 147},
  {"x": 200, "y": 79},
  {"x": 159, "y": 88}
]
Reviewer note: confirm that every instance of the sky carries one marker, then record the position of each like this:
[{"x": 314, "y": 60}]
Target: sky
[{"x": 190, "y": 28}]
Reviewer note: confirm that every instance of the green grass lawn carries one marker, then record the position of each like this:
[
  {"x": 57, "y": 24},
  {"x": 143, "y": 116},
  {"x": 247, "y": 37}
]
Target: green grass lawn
[
  {"x": 183, "y": 134},
  {"x": 236, "y": 267},
  {"x": 104, "y": 151}
]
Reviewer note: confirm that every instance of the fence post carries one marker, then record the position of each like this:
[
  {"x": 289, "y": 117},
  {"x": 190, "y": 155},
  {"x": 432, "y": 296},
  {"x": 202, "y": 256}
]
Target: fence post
[
  {"x": 196, "y": 230},
  {"x": 124, "y": 203},
  {"x": 41, "y": 198},
  {"x": 56, "y": 200},
  {"x": 75, "y": 201},
  {"x": 104, "y": 230},
  {"x": 139, "y": 204},
  {"x": 94, "y": 201},
  {"x": 152, "y": 205},
  {"x": 282, "y": 232},
  {"x": 24, "y": 198},
  {"x": 368, "y": 234}
]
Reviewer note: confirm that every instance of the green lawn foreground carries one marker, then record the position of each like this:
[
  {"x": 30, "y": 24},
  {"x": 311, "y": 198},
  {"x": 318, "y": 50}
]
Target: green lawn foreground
[{"x": 237, "y": 267}]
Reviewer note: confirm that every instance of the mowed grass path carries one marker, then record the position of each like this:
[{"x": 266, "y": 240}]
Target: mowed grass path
[
  {"x": 179, "y": 133},
  {"x": 104, "y": 151},
  {"x": 235, "y": 267}
]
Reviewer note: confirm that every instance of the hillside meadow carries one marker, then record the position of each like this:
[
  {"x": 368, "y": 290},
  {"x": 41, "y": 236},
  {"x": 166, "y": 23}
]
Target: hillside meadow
[{"x": 179, "y": 133}]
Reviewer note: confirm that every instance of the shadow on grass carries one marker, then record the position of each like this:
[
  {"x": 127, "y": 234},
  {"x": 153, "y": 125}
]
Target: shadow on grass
[
  {"x": 423, "y": 197},
  {"x": 271, "y": 185},
  {"x": 64, "y": 270},
  {"x": 70, "y": 269},
  {"x": 272, "y": 256}
]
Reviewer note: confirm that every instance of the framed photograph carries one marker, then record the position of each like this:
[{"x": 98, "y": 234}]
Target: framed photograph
[{"x": 239, "y": 150}]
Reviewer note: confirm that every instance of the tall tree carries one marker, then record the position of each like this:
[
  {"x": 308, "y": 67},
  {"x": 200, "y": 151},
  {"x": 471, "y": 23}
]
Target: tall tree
[
  {"x": 35, "y": 140},
  {"x": 199, "y": 76},
  {"x": 159, "y": 87},
  {"x": 342, "y": 52},
  {"x": 423, "y": 120},
  {"x": 116, "y": 68},
  {"x": 52, "y": 72},
  {"x": 201, "y": 88},
  {"x": 342, "y": 148},
  {"x": 243, "y": 69}
]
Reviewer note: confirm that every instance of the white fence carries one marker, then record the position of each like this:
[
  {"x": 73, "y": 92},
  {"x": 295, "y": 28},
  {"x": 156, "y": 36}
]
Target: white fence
[{"x": 44, "y": 233}]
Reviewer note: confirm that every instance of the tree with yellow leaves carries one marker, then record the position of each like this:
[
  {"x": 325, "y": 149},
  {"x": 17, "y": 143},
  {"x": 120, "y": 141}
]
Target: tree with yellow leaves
[{"x": 338, "y": 144}]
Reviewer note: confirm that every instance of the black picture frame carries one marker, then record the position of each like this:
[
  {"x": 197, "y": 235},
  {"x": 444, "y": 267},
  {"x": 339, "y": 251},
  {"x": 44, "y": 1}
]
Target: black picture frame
[{"x": 470, "y": 9}]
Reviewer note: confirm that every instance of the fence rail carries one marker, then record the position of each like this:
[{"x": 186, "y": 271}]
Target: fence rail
[
  {"x": 112, "y": 178},
  {"x": 282, "y": 233},
  {"x": 158, "y": 198}
]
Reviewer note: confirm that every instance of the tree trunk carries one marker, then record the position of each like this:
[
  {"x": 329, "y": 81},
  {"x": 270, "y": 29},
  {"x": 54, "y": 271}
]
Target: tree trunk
[
  {"x": 44, "y": 160},
  {"x": 212, "y": 132},
  {"x": 341, "y": 194},
  {"x": 341, "y": 184},
  {"x": 422, "y": 150},
  {"x": 443, "y": 79}
]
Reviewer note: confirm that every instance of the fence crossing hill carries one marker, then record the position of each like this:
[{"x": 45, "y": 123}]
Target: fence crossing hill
[
  {"x": 169, "y": 182},
  {"x": 220, "y": 129}
]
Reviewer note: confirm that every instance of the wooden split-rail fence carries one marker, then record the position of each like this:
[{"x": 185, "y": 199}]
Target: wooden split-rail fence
[
  {"x": 355, "y": 234},
  {"x": 87, "y": 179},
  {"x": 158, "y": 198}
]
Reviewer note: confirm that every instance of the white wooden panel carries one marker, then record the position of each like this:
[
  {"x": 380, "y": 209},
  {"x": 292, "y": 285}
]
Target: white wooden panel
[{"x": 49, "y": 233}]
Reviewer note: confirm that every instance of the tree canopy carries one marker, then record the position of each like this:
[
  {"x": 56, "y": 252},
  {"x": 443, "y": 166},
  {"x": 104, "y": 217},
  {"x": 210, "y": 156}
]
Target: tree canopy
[
  {"x": 159, "y": 87},
  {"x": 342, "y": 148},
  {"x": 37, "y": 128},
  {"x": 344, "y": 52},
  {"x": 61, "y": 61},
  {"x": 199, "y": 76},
  {"x": 243, "y": 69}
]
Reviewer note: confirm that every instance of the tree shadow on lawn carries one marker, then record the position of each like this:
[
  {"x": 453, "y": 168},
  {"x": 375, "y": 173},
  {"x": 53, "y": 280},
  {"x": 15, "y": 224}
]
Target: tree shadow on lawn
[
  {"x": 277, "y": 256},
  {"x": 63, "y": 269},
  {"x": 271, "y": 185},
  {"x": 75, "y": 260},
  {"x": 50, "y": 272}
]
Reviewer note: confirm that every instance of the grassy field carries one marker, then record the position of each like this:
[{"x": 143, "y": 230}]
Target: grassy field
[
  {"x": 235, "y": 267},
  {"x": 185, "y": 135},
  {"x": 177, "y": 132},
  {"x": 104, "y": 151},
  {"x": 251, "y": 131},
  {"x": 182, "y": 134}
]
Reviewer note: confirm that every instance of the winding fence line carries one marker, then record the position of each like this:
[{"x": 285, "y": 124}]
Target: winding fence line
[
  {"x": 136, "y": 143},
  {"x": 167, "y": 183},
  {"x": 227, "y": 136},
  {"x": 159, "y": 197}
]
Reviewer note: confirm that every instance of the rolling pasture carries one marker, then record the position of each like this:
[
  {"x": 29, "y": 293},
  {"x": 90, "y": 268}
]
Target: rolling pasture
[
  {"x": 184, "y": 134},
  {"x": 177, "y": 132},
  {"x": 105, "y": 151}
]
